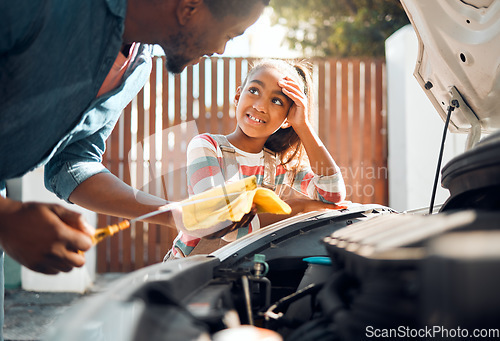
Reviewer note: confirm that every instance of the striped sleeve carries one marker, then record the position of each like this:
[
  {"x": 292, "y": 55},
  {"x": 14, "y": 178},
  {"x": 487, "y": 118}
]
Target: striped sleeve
[
  {"x": 326, "y": 188},
  {"x": 203, "y": 166}
]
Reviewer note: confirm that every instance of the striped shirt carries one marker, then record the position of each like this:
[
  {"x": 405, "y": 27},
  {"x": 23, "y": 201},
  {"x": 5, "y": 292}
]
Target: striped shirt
[{"x": 205, "y": 171}]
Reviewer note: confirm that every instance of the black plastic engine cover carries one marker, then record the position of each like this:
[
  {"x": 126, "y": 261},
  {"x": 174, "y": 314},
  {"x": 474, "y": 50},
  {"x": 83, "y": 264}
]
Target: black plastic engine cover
[{"x": 473, "y": 178}]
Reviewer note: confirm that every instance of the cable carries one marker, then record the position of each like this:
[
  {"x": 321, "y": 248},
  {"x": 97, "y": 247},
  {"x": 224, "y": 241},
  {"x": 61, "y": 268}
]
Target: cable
[
  {"x": 287, "y": 300},
  {"x": 248, "y": 300},
  {"x": 454, "y": 104}
]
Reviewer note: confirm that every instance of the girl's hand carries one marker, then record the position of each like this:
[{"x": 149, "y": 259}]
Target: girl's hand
[
  {"x": 298, "y": 205},
  {"x": 307, "y": 205},
  {"x": 297, "y": 115}
]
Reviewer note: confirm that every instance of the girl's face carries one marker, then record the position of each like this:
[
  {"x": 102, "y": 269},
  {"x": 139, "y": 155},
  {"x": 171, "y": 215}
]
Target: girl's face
[{"x": 261, "y": 106}]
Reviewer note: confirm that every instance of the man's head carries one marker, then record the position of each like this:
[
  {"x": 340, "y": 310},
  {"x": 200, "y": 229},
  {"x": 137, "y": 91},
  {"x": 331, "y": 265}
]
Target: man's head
[{"x": 189, "y": 29}]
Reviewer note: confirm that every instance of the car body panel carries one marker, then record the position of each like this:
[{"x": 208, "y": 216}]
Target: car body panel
[{"x": 459, "y": 56}]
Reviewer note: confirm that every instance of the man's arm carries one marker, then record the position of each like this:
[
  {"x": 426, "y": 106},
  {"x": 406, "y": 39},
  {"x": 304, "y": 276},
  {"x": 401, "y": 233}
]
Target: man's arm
[{"x": 105, "y": 193}]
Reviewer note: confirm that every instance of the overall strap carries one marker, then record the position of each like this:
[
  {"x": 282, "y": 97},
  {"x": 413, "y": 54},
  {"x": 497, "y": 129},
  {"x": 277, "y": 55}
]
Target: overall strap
[
  {"x": 269, "y": 170},
  {"x": 229, "y": 163}
]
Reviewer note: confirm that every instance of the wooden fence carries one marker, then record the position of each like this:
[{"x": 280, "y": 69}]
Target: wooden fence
[{"x": 147, "y": 149}]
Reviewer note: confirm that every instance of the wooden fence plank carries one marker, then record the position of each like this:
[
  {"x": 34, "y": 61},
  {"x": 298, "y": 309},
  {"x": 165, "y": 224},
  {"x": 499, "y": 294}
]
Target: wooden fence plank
[
  {"x": 202, "y": 119},
  {"x": 237, "y": 72},
  {"x": 177, "y": 102},
  {"x": 343, "y": 128},
  {"x": 165, "y": 99},
  {"x": 152, "y": 228},
  {"x": 356, "y": 151},
  {"x": 139, "y": 226},
  {"x": 127, "y": 145},
  {"x": 334, "y": 139},
  {"x": 368, "y": 131},
  {"x": 323, "y": 124},
  {"x": 115, "y": 247},
  {"x": 381, "y": 191},
  {"x": 177, "y": 156},
  {"x": 189, "y": 94},
  {"x": 214, "y": 108},
  {"x": 226, "y": 120},
  {"x": 165, "y": 235}
]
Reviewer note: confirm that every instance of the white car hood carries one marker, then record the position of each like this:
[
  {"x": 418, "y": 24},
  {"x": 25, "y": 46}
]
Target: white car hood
[{"x": 459, "y": 58}]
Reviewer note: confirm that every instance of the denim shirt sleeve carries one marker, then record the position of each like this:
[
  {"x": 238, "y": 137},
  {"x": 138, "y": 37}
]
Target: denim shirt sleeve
[
  {"x": 76, "y": 163},
  {"x": 80, "y": 157}
]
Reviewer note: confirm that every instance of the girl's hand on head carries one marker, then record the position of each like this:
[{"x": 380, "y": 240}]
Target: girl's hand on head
[{"x": 297, "y": 115}]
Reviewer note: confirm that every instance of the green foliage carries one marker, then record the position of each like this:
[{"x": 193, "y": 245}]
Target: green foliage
[{"x": 339, "y": 28}]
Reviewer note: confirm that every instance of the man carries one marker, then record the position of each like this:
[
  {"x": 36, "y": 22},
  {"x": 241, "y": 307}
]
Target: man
[{"x": 67, "y": 70}]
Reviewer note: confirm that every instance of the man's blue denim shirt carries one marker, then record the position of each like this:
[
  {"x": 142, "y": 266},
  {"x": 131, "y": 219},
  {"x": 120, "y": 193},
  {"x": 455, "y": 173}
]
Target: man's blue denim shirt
[{"x": 54, "y": 56}]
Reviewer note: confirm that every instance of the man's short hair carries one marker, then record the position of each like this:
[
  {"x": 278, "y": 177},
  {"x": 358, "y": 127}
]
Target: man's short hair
[{"x": 238, "y": 8}]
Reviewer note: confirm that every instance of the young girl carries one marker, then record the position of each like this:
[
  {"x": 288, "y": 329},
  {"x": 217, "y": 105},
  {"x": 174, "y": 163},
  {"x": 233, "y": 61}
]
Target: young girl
[{"x": 275, "y": 141}]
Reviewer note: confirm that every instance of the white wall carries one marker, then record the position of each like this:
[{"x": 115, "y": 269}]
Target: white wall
[
  {"x": 414, "y": 129},
  {"x": 31, "y": 188}
]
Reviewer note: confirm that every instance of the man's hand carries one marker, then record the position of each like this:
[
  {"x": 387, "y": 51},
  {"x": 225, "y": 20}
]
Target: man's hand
[{"x": 43, "y": 237}]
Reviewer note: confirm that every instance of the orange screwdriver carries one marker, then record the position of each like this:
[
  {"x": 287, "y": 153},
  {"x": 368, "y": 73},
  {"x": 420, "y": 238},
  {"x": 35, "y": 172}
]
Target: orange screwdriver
[{"x": 108, "y": 231}]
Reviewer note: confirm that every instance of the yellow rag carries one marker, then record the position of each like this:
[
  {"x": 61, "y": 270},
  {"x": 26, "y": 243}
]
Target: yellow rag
[{"x": 230, "y": 202}]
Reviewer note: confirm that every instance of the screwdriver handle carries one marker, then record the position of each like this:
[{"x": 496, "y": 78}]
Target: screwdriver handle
[{"x": 109, "y": 230}]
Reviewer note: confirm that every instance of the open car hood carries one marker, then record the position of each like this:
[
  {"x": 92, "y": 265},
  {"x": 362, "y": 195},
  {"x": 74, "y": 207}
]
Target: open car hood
[{"x": 459, "y": 58}]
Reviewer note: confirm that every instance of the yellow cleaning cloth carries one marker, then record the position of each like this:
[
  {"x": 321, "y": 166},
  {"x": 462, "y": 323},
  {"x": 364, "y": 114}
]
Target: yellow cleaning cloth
[{"x": 230, "y": 202}]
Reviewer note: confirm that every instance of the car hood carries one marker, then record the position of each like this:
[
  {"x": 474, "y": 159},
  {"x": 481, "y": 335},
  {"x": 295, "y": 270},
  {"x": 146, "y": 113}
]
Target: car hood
[{"x": 459, "y": 58}]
